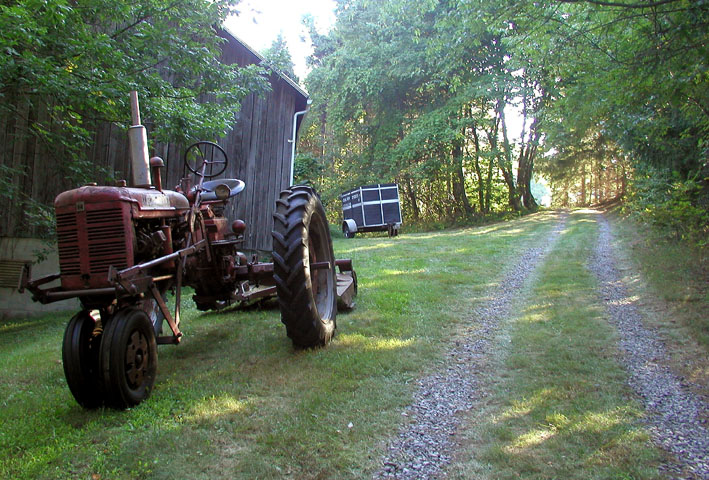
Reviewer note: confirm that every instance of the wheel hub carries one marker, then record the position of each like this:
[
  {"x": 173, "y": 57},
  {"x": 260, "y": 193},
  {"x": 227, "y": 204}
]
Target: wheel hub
[{"x": 136, "y": 359}]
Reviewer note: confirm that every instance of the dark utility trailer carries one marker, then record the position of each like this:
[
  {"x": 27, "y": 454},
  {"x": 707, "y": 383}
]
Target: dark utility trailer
[{"x": 371, "y": 208}]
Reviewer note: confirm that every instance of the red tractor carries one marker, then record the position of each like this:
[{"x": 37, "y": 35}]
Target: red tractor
[{"x": 122, "y": 249}]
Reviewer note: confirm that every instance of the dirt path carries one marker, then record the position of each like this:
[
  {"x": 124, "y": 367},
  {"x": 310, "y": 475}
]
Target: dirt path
[
  {"x": 676, "y": 414},
  {"x": 424, "y": 446}
]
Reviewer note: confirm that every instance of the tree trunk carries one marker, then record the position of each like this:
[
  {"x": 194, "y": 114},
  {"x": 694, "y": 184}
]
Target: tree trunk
[
  {"x": 506, "y": 163},
  {"x": 478, "y": 172},
  {"x": 411, "y": 194},
  {"x": 459, "y": 194},
  {"x": 524, "y": 174}
]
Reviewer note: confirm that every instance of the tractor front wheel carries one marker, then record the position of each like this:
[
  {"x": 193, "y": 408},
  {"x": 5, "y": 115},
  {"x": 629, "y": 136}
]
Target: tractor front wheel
[
  {"x": 129, "y": 358},
  {"x": 304, "y": 268},
  {"x": 80, "y": 357}
]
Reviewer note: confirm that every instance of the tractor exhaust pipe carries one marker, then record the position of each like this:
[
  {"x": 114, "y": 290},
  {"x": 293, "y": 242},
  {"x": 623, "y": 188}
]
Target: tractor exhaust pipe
[{"x": 138, "y": 137}]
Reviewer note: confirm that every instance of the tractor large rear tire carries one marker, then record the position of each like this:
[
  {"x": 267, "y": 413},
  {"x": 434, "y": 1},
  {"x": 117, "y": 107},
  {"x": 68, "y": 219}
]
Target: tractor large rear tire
[
  {"x": 129, "y": 358},
  {"x": 307, "y": 296},
  {"x": 80, "y": 357}
]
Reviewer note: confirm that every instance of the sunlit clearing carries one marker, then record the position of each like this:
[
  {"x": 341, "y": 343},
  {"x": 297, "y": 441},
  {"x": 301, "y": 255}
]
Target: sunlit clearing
[
  {"x": 537, "y": 316},
  {"x": 524, "y": 407},
  {"x": 627, "y": 300},
  {"x": 558, "y": 420},
  {"x": 218, "y": 406},
  {"x": 386, "y": 272},
  {"x": 458, "y": 232},
  {"x": 373, "y": 343},
  {"x": 531, "y": 439},
  {"x": 588, "y": 210},
  {"x": 366, "y": 248},
  {"x": 14, "y": 325},
  {"x": 515, "y": 231},
  {"x": 601, "y": 421}
]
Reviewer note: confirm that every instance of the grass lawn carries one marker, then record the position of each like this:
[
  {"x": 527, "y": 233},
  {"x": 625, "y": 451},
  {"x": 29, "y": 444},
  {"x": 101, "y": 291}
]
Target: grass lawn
[{"x": 235, "y": 400}]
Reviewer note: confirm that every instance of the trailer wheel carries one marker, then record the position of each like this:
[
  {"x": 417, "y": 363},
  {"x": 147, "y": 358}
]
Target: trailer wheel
[
  {"x": 80, "y": 357},
  {"x": 129, "y": 358},
  {"x": 307, "y": 296},
  {"x": 346, "y": 231}
]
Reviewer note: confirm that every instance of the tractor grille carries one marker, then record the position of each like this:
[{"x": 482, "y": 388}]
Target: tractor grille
[
  {"x": 91, "y": 241},
  {"x": 106, "y": 239},
  {"x": 68, "y": 244}
]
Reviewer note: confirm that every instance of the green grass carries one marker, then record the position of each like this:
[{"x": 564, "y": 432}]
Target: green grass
[
  {"x": 235, "y": 400},
  {"x": 560, "y": 407},
  {"x": 672, "y": 271}
]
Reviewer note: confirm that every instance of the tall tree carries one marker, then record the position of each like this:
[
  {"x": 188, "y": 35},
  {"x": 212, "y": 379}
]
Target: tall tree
[{"x": 278, "y": 56}]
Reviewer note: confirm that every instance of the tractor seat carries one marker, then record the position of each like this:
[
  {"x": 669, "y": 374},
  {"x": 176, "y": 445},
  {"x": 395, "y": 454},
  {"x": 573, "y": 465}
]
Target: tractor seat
[{"x": 235, "y": 186}]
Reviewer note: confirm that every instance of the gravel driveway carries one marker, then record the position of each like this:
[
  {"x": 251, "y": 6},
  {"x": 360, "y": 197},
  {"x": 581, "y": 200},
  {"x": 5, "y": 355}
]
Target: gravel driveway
[{"x": 424, "y": 446}]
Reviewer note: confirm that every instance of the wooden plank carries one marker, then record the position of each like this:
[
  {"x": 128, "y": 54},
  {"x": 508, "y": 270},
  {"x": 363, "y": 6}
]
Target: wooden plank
[
  {"x": 266, "y": 161},
  {"x": 280, "y": 174},
  {"x": 21, "y": 140},
  {"x": 250, "y": 152}
]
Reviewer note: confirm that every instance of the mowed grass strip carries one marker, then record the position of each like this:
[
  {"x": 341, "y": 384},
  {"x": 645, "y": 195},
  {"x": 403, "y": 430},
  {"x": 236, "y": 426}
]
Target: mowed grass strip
[
  {"x": 560, "y": 406},
  {"x": 235, "y": 400}
]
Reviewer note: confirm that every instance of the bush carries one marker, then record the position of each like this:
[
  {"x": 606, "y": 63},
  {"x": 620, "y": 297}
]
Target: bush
[{"x": 677, "y": 206}]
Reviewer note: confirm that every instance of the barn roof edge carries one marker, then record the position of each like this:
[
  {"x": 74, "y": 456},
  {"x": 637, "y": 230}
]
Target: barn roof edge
[{"x": 285, "y": 77}]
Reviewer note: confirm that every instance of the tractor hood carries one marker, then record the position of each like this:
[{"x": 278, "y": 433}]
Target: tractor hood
[{"x": 141, "y": 199}]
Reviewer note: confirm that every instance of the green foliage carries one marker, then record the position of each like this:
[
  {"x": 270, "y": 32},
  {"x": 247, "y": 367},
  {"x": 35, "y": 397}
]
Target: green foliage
[
  {"x": 278, "y": 57},
  {"x": 424, "y": 93},
  {"x": 678, "y": 206},
  {"x": 67, "y": 68},
  {"x": 40, "y": 216},
  {"x": 71, "y": 66},
  {"x": 415, "y": 92},
  {"x": 308, "y": 170},
  {"x": 634, "y": 76}
]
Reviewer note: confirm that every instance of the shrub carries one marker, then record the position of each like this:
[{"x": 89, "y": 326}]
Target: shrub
[{"x": 680, "y": 207}]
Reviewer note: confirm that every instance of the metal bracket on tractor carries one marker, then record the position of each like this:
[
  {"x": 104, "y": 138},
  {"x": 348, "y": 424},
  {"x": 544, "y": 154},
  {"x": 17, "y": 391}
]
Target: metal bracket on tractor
[{"x": 121, "y": 249}]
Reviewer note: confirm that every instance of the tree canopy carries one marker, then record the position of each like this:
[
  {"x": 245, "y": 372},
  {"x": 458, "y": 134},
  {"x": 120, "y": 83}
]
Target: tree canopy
[
  {"x": 469, "y": 106},
  {"x": 278, "y": 57},
  {"x": 77, "y": 61},
  {"x": 464, "y": 103}
]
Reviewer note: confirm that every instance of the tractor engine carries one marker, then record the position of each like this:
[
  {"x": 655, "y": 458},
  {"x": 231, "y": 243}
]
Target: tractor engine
[{"x": 100, "y": 227}]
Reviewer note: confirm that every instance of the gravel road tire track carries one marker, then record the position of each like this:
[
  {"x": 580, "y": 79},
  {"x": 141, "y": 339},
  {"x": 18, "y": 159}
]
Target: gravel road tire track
[
  {"x": 424, "y": 446},
  {"x": 676, "y": 415}
]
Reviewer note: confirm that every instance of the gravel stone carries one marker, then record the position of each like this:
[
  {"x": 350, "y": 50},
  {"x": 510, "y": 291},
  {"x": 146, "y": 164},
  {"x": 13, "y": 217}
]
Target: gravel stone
[
  {"x": 675, "y": 413},
  {"x": 424, "y": 446}
]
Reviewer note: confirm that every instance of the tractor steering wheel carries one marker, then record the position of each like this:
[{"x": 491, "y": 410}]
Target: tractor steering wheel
[{"x": 206, "y": 159}]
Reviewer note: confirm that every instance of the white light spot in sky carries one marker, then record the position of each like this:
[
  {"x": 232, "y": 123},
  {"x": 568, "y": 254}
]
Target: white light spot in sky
[{"x": 260, "y": 22}]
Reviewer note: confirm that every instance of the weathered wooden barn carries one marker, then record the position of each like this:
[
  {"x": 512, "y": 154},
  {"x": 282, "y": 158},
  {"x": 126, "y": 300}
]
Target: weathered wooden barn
[{"x": 259, "y": 148}]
